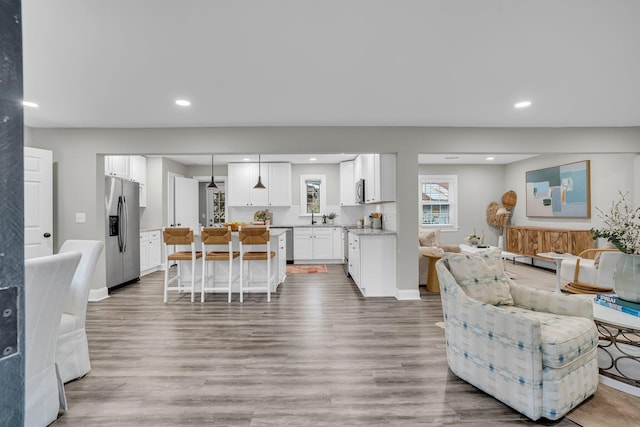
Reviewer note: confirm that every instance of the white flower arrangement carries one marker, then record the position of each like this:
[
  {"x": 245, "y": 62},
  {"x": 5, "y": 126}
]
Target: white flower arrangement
[{"x": 621, "y": 226}]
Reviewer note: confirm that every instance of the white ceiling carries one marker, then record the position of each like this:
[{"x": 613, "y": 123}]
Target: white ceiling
[
  {"x": 423, "y": 159},
  {"x": 122, "y": 63},
  {"x": 223, "y": 159}
]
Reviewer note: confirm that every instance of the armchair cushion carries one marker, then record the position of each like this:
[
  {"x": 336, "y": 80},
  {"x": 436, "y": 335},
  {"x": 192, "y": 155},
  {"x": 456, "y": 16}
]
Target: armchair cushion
[
  {"x": 481, "y": 276},
  {"x": 563, "y": 338},
  {"x": 430, "y": 237}
]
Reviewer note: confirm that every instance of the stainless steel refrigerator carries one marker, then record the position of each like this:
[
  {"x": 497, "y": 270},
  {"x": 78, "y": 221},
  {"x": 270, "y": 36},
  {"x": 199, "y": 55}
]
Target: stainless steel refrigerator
[{"x": 122, "y": 235}]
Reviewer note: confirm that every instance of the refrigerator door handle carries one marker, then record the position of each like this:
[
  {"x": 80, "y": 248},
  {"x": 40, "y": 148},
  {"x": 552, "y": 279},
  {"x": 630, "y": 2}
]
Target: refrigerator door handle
[
  {"x": 126, "y": 224},
  {"x": 119, "y": 213}
]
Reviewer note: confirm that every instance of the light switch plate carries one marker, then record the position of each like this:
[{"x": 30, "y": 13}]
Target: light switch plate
[
  {"x": 8, "y": 322},
  {"x": 81, "y": 217}
]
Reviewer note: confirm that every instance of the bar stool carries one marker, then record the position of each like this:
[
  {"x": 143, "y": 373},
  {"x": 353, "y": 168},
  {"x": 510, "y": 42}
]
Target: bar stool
[
  {"x": 179, "y": 236},
  {"x": 255, "y": 236},
  {"x": 216, "y": 236}
]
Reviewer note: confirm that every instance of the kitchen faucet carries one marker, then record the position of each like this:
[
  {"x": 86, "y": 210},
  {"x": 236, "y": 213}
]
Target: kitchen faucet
[{"x": 313, "y": 221}]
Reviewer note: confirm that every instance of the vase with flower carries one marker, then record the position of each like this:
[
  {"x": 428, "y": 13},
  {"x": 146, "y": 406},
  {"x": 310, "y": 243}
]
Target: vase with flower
[
  {"x": 621, "y": 227},
  {"x": 474, "y": 238}
]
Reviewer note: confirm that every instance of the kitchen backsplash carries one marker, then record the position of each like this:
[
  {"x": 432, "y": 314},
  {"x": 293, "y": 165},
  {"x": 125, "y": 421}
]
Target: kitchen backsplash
[{"x": 347, "y": 215}]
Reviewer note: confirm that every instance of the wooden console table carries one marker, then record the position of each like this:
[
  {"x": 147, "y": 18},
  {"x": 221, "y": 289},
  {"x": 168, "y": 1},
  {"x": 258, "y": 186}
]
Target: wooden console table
[{"x": 528, "y": 241}]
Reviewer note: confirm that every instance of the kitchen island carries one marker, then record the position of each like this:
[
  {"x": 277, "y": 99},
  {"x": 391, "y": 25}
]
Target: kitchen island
[{"x": 220, "y": 270}]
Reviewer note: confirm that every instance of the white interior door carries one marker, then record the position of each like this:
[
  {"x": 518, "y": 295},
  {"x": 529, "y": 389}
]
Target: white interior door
[
  {"x": 38, "y": 202},
  {"x": 186, "y": 203}
]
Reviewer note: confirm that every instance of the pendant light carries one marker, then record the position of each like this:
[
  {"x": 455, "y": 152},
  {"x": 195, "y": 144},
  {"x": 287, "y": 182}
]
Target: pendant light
[
  {"x": 212, "y": 184},
  {"x": 259, "y": 185}
]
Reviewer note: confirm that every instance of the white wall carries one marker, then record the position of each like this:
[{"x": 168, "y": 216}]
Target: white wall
[
  {"x": 609, "y": 173},
  {"x": 79, "y": 187}
]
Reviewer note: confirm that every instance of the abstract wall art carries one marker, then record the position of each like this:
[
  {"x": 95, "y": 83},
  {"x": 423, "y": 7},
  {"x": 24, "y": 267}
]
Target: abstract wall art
[{"x": 559, "y": 191}]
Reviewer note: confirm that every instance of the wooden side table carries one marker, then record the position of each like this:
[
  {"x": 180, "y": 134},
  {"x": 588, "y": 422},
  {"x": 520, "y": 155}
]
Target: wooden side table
[{"x": 433, "y": 284}]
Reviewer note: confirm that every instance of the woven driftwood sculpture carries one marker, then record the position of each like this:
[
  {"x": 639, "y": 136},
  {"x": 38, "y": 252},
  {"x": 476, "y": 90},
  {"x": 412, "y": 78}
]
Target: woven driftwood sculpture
[{"x": 497, "y": 215}]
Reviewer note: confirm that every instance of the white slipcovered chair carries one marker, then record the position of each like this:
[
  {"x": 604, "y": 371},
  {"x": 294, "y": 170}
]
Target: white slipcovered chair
[
  {"x": 47, "y": 280},
  {"x": 584, "y": 272},
  {"x": 534, "y": 350},
  {"x": 72, "y": 355}
]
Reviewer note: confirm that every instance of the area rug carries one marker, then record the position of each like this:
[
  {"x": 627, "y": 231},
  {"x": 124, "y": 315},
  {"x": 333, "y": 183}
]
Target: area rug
[{"x": 303, "y": 269}]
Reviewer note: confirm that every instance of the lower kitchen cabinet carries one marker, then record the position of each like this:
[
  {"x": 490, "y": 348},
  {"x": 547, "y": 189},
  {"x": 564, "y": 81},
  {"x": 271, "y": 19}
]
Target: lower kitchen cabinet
[
  {"x": 372, "y": 263},
  {"x": 150, "y": 251},
  {"x": 316, "y": 244}
]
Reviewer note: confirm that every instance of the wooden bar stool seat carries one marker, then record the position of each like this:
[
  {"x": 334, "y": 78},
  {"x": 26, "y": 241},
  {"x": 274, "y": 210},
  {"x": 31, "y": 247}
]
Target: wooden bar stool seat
[
  {"x": 255, "y": 236},
  {"x": 217, "y": 237},
  {"x": 179, "y": 236}
]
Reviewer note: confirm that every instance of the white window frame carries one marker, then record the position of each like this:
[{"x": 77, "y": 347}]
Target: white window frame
[
  {"x": 452, "y": 180},
  {"x": 303, "y": 193}
]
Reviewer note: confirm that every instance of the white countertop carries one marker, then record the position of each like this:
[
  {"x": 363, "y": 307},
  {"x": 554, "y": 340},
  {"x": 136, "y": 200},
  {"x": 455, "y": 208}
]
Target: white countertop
[{"x": 371, "y": 232}]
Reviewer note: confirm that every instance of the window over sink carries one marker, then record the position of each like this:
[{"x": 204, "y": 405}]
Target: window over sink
[{"x": 313, "y": 194}]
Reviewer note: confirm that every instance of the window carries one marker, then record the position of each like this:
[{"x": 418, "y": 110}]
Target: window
[
  {"x": 216, "y": 206},
  {"x": 438, "y": 201},
  {"x": 312, "y": 194}
]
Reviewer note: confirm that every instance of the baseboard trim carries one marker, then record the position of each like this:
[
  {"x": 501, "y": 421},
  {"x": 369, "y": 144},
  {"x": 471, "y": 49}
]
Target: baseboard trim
[
  {"x": 407, "y": 294},
  {"x": 620, "y": 386},
  {"x": 98, "y": 294}
]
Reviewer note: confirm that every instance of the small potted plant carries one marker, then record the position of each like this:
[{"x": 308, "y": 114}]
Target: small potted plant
[{"x": 331, "y": 218}]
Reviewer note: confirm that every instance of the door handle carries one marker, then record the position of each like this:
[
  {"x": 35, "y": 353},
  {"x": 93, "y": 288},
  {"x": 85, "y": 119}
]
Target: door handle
[{"x": 47, "y": 235}]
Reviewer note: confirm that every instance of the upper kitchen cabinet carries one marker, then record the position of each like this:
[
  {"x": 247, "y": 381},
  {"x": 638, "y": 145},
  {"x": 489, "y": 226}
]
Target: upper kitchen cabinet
[
  {"x": 348, "y": 183},
  {"x": 118, "y": 166},
  {"x": 379, "y": 174},
  {"x": 133, "y": 168},
  {"x": 280, "y": 188},
  {"x": 242, "y": 177},
  {"x": 138, "y": 169}
]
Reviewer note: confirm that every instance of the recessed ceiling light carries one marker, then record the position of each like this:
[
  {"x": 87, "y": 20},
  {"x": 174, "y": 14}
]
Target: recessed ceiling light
[
  {"x": 490, "y": 158},
  {"x": 313, "y": 159},
  {"x": 182, "y": 102},
  {"x": 522, "y": 104},
  {"x": 246, "y": 159},
  {"x": 30, "y": 104}
]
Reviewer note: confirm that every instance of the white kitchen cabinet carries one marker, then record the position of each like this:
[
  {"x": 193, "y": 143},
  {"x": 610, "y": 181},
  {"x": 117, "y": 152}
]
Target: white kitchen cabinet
[
  {"x": 138, "y": 173},
  {"x": 118, "y": 166},
  {"x": 133, "y": 168},
  {"x": 276, "y": 177},
  {"x": 302, "y": 243},
  {"x": 372, "y": 263},
  {"x": 379, "y": 174},
  {"x": 313, "y": 244},
  {"x": 241, "y": 179},
  {"x": 280, "y": 180},
  {"x": 348, "y": 183},
  {"x": 150, "y": 251},
  {"x": 337, "y": 243}
]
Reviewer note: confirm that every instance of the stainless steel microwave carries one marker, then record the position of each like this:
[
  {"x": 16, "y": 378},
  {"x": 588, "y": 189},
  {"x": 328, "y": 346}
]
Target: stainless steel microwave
[{"x": 360, "y": 191}]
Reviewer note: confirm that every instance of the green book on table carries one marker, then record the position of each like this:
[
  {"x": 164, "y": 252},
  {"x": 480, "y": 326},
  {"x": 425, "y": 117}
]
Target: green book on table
[{"x": 620, "y": 308}]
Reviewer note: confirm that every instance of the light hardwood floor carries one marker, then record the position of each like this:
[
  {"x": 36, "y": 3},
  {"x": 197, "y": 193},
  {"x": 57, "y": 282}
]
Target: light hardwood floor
[{"x": 318, "y": 354}]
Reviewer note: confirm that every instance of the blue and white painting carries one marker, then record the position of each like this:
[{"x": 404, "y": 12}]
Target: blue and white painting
[{"x": 559, "y": 191}]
